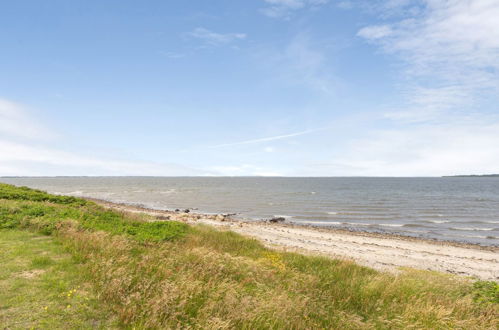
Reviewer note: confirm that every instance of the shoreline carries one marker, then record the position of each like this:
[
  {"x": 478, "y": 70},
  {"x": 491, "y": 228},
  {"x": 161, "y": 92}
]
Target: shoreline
[
  {"x": 385, "y": 252},
  {"x": 232, "y": 217}
]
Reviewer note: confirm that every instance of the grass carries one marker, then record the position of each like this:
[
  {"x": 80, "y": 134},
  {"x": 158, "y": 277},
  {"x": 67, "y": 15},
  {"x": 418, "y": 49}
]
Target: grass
[
  {"x": 41, "y": 286},
  {"x": 156, "y": 275},
  {"x": 26, "y": 208}
]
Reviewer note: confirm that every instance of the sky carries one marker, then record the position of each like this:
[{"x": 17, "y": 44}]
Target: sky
[{"x": 249, "y": 87}]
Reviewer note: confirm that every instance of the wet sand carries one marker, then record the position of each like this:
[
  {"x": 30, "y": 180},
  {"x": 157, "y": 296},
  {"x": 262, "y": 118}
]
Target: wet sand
[{"x": 379, "y": 251}]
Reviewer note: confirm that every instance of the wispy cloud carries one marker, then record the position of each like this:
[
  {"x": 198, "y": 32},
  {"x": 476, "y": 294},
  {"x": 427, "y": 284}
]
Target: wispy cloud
[
  {"x": 213, "y": 38},
  {"x": 301, "y": 62},
  {"x": 375, "y": 32},
  {"x": 245, "y": 170},
  {"x": 450, "y": 48},
  {"x": 425, "y": 150},
  {"x": 267, "y": 139},
  {"x": 26, "y": 149},
  {"x": 284, "y": 8},
  {"x": 449, "y": 52},
  {"x": 15, "y": 122}
]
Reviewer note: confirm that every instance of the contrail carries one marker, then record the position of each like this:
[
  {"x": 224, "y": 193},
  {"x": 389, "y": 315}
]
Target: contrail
[{"x": 272, "y": 138}]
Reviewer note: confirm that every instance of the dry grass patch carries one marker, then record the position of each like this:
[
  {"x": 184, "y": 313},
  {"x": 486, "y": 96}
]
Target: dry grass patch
[
  {"x": 44, "y": 291},
  {"x": 196, "y": 283}
]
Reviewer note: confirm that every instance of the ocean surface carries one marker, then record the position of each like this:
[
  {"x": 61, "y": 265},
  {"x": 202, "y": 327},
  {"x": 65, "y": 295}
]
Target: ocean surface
[{"x": 464, "y": 209}]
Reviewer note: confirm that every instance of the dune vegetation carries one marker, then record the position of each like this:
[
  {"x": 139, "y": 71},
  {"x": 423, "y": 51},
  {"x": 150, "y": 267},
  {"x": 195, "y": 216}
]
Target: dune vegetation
[{"x": 148, "y": 274}]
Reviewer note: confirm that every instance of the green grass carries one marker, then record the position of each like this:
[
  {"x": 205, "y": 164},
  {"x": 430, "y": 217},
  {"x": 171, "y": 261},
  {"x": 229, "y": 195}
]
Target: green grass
[
  {"x": 41, "y": 286},
  {"x": 24, "y": 208},
  {"x": 156, "y": 275},
  {"x": 486, "y": 291}
]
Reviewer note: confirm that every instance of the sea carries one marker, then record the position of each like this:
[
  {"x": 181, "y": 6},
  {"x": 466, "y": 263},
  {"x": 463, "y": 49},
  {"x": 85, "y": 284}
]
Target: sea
[{"x": 463, "y": 209}]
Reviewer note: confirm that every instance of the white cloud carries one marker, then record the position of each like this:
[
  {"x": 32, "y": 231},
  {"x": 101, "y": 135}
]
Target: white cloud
[
  {"x": 375, "y": 32},
  {"x": 284, "y": 8},
  {"x": 427, "y": 104},
  {"x": 268, "y": 149},
  {"x": 426, "y": 150},
  {"x": 214, "y": 38},
  {"x": 31, "y": 155},
  {"x": 450, "y": 78},
  {"x": 244, "y": 170},
  {"x": 24, "y": 159},
  {"x": 450, "y": 47},
  {"x": 15, "y": 122},
  {"x": 300, "y": 62}
]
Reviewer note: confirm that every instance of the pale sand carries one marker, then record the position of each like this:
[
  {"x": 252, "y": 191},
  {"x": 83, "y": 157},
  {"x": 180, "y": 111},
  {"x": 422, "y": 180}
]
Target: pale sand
[{"x": 382, "y": 252}]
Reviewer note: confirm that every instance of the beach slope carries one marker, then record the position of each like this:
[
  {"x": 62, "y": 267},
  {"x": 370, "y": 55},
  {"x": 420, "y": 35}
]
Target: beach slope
[{"x": 382, "y": 252}]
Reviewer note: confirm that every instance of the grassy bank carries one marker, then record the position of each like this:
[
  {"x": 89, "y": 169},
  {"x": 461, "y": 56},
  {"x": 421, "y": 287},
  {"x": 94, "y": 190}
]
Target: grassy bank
[
  {"x": 169, "y": 274},
  {"x": 41, "y": 286}
]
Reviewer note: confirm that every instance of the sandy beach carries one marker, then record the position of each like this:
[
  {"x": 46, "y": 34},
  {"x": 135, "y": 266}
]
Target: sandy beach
[{"x": 381, "y": 252}]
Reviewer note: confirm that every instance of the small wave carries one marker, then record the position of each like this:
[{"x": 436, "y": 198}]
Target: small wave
[
  {"x": 480, "y": 221},
  {"x": 324, "y": 223},
  {"x": 437, "y": 221},
  {"x": 415, "y": 225},
  {"x": 472, "y": 229},
  {"x": 476, "y": 236},
  {"x": 76, "y": 192},
  {"x": 283, "y": 216},
  {"x": 391, "y": 224},
  {"x": 357, "y": 223},
  {"x": 332, "y": 213},
  {"x": 165, "y": 192}
]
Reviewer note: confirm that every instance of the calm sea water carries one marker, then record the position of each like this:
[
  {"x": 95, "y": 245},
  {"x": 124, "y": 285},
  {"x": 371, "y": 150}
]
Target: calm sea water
[{"x": 458, "y": 209}]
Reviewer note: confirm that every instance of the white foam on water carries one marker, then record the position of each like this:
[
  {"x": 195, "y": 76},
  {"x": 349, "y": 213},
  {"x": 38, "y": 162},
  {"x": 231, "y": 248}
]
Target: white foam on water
[
  {"x": 332, "y": 213},
  {"x": 321, "y": 222},
  {"x": 438, "y": 221},
  {"x": 76, "y": 193},
  {"x": 476, "y": 236},
  {"x": 391, "y": 224},
  {"x": 472, "y": 229},
  {"x": 167, "y": 192},
  {"x": 357, "y": 223},
  {"x": 283, "y": 216}
]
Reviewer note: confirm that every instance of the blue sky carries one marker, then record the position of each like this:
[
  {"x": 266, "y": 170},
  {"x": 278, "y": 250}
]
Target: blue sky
[{"x": 256, "y": 87}]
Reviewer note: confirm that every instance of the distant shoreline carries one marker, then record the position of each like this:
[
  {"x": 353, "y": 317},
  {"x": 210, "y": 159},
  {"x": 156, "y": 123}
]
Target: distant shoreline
[{"x": 472, "y": 176}]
